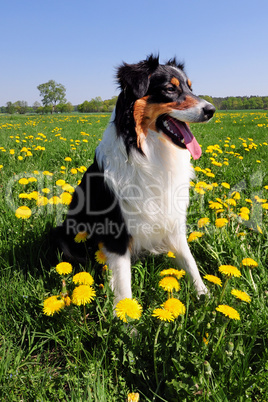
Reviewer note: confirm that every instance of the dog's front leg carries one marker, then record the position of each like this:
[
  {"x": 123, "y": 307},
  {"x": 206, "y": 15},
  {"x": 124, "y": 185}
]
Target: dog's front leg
[
  {"x": 186, "y": 261},
  {"x": 120, "y": 265}
]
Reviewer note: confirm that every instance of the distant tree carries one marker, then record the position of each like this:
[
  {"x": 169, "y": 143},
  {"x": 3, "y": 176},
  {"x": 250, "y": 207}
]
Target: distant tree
[
  {"x": 64, "y": 107},
  {"x": 21, "y": 107},
  {"x": 52, "y": 94},
  {"x": 259, "y": 102},
  {"x": 48, "y": 109},
  {"x": 207, "y": 98},
  {"x": 40, "y": 110},
  {"x": 83, "y": 107},
  {"x": 11, "y": 108},
  {"x": 36, "y": 105},
  {"x": 265, "y": 102}
]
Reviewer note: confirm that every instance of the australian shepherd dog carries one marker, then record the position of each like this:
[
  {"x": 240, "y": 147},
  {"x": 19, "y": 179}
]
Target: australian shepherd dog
[{"x": 134, "y": 197}]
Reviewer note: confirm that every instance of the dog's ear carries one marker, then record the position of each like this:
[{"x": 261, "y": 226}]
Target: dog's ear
[
  {"x": 136, "y": 77},
  {"x": 174, "y": 63}
]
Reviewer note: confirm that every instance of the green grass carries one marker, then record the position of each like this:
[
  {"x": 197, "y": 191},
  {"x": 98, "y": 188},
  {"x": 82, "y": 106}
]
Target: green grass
[{"x": 64, "y": 357}]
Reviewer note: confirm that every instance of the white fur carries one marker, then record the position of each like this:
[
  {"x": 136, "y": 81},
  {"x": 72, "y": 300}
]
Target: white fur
[
  {"x": 121, "y": 279},
  {"x": 153, "y": 194},
  {"x": 193, "y": 114}
]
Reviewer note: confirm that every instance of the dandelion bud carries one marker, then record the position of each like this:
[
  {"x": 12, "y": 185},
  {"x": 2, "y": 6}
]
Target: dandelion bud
[
  {"x": 208, "y": 369},
  {"x": 229, "y": 348},
  {"x": 208, "y": 325}
]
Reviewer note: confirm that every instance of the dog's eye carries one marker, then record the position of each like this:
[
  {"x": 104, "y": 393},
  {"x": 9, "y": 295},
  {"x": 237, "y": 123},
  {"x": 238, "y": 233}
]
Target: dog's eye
[{"x": 171, "y": 88}]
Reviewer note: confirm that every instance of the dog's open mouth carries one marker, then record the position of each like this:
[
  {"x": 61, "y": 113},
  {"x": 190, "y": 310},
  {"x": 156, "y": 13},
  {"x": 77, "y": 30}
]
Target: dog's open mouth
[{"x": 180, "y": 134}]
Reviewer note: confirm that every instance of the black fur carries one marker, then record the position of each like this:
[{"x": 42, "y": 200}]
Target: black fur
[{"x": 93, "y": 209}]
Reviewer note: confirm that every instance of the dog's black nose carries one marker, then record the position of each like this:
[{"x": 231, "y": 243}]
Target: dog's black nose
[{"x": 209, "y": 111}]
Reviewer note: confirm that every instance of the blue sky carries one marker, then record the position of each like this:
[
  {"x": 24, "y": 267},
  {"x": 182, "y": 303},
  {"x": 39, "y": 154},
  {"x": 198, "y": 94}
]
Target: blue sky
[{"x": 79, "y": 44}]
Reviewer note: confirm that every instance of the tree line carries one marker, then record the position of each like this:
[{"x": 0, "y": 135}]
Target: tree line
[
  {"x": 54, "y": 100},
  {"x": 238, "y": 102}
]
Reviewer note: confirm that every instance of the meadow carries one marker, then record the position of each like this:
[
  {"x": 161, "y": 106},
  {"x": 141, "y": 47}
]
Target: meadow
[{"x": 213, "y": 348}]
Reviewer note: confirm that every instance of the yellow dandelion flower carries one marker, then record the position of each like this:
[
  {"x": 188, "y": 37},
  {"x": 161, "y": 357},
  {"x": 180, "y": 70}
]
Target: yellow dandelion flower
[
  {"x": 100, "y": 257},
  {"x": 68, "y": 159},
  {"x": 205, "y": 338},
  {"x": 83, "y": 278},
  {"x": 60, "y": 182},
  {"x": 163, "y": 315},
  {"x": 259, "y": 229},
  {"x": 249, "y": 262},
  {"x": 245, "y": 210},
  {"x": 229, "y": 270},
  {"x": 33, "y": 195},
  {"x": 265, "y": 205},
  {"x": 171, "y": 255},
  {"x": 199, "y": 190},
  {"x": 23, "y": 181},
  {"x": 194, "y": 236},
  {"x": 215, "y": 205},
  {"x": 236, "y": 195},
  {"x": 67, "y": 301},
  {"x": 169, "y": 283},
  {"x": 172, "y": 271},
  {"x": 203, "y": 222},
  {"x": 133, "y": 397},
  {"x": 24, "y": 195},
  {"x": 83, "y": 294},
  {"x": 239, "y": 294},
  {"x": 225, "y": 185},
  {"x": 231, "y": 201},
  {"x": 41, "y": 201},
  {"x": 23, "y": 212},
  {"x": 68, "y": 187},
  {"x": 244, "y": 216},
  {"x": 53, "y": 305},
  {"x": 32, "y": 179},
  {"x": 55, "y": 200},
  {"x": 66, "y": 198},
  {"x": 81, "y": 237},
  {"x": 64, "y": 268},
  {"x": 221, "y": 222},
  {"x": 210, "y": 174},
  {"x": 213, "y": 279},
  {"x": 228, "y": 311},
  {"x": 128, "y": 308},
  {"x": 45, "y": 190},
  {"x": 174, "y": 306},
  {"x": 47, "y": 173}
]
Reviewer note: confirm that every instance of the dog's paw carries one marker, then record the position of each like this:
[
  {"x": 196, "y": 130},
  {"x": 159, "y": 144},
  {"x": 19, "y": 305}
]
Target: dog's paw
[{"x": 201, "y": 291}]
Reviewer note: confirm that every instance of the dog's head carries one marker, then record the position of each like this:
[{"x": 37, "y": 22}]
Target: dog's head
[{"x": 159, "y": 97}]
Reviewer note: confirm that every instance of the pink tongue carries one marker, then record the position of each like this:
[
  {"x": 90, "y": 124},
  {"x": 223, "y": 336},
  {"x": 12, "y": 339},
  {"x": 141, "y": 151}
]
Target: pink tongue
[{"x": 189, "y": 140}]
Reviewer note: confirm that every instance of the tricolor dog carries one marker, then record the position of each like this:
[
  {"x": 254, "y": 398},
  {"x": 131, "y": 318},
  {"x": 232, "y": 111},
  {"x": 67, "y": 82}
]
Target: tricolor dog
[{"x": 134, "y": 197}]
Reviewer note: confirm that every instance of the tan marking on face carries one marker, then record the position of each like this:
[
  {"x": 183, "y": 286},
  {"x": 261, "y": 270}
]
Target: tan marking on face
[
  {"x": 175, "y": 81},
  {"x": 189, "y": 82},
  {"x": 145, "y": 114},
  {"x": 187, "y": 103}
]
